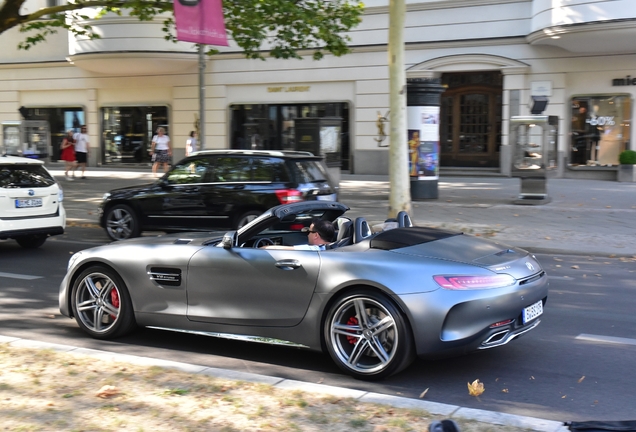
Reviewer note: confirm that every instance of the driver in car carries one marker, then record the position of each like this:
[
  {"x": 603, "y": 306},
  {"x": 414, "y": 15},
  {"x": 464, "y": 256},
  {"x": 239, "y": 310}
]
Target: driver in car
[{"x": 319, "y": 234}]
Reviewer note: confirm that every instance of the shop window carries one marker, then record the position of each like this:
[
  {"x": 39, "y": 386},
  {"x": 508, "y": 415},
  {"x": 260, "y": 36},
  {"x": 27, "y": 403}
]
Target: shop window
[
  {"x": 127, "y": 132},
  {"x": 60, "y": 120},
  {"x": 272, "y": 126},
  {"x": 600, "y": 129}
]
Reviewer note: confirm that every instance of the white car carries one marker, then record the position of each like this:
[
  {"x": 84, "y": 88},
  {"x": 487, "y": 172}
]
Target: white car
[{"x": 30, "y": 202}]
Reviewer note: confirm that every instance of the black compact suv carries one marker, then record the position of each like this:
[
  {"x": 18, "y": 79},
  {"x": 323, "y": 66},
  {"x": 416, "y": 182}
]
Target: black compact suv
[{"x": 215, "y": 189}]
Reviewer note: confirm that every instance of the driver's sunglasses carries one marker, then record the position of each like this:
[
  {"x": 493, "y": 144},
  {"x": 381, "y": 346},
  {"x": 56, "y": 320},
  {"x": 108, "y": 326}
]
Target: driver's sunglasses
[{"x": 308, "y": 231}]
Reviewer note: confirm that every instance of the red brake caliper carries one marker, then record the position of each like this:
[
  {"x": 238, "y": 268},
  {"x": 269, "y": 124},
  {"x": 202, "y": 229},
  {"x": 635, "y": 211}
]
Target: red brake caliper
[
  {"x": 114, "y": 299},
  {"x": 353, "y": 321}
]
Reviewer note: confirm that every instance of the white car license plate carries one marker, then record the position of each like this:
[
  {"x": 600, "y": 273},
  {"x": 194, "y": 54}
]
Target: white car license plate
[
  {"x": 331, "y": 197},
  {"x": 31, "y": 202},
  {"x": 532, "y": 311}
]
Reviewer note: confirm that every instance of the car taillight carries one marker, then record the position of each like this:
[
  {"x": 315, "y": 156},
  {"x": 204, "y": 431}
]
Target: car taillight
[
  {"x": 474, "y": 282},
  {"x": 287, "y": 196}
]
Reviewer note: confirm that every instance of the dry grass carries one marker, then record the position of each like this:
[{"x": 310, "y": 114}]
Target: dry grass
[{"x": 43, "y": 390}]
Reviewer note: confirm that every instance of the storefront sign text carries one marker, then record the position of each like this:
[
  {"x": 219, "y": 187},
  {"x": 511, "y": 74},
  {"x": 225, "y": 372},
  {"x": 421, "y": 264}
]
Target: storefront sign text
[
  {"x": 288, "y": 89},
  {"x": 628, "y": 80}
]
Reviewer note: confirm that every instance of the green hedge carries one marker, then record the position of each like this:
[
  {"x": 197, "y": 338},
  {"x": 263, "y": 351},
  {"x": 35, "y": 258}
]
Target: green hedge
[{"x": 627, "y": 157}]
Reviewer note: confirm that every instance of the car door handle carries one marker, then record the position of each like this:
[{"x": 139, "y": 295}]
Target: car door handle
[{"x": 288, "y": 264}]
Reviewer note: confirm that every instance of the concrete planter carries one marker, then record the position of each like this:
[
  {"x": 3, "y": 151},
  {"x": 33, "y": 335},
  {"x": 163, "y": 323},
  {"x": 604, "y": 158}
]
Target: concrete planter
[{"x": 627, "y": 173}]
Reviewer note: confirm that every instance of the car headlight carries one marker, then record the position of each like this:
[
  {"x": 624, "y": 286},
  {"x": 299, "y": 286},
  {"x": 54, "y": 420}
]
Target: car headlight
[
  {"x": 106, "y": 196},
  {"x": 72, "y": 260}
]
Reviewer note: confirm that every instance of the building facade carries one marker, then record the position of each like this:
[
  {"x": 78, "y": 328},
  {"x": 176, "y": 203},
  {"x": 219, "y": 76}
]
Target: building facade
[{"x": 491, "y": 56}]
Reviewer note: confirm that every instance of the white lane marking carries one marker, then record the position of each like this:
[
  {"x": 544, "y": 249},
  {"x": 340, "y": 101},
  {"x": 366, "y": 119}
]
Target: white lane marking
[
  {"x": 606, "y": 339},
  {"x": 19, "y": 276},
  {"x": 561, "y": 277}
]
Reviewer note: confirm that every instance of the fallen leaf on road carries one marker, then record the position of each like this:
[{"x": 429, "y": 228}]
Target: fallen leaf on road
[
  {"x": 575, "y": 266},
  {"x": 476, "y": 388},
  {"x": 504, "y": 391},
  {"x": 107, "y": 391},
  {"x": 548, "y": 238},
  {"x": 423, "y": 393},
  {"x": 564, "y": 396},
  {"x": 581, "y": 379}
]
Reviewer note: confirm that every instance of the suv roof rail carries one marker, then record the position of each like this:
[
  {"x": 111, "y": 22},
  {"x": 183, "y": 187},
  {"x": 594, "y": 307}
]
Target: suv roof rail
[{"x": 257, "y": 152}]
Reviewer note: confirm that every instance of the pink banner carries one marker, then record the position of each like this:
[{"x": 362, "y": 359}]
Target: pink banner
[{"x": 200, "y": 21}]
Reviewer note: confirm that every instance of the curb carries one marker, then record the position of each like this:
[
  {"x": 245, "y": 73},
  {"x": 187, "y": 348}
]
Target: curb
[{"x": 449, "y": 411}]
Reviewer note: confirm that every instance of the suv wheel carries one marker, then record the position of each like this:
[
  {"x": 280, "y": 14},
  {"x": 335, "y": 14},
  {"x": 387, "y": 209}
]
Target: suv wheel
[
  {"x": 246, "y": 218},
  {"x": 31, "y": 241},
  {"x": 121, "y": 222}
]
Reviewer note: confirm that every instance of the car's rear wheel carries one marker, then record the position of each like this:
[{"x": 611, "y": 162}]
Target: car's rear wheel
[
  {"x": 246, "y": 218},
  {"x": 367, "y": 336},
  {"x": 121, "y": 222},
  {"x": 31, "y": 241},
  {"x": 101, "y": 303}
]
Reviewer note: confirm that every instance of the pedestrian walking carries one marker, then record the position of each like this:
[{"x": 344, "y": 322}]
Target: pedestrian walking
[
  {"x": 160, "y": 151},
  {"x": 192, "y": 144},
  {"x": 81, "y": 150},
  {"x": 68, "y": 154}
]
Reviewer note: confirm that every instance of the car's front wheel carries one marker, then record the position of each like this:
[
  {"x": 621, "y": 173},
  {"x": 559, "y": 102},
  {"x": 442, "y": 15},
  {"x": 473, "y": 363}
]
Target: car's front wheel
[
  {"x": 121, "y": 222},
  {"x": 367, "y": 336},
  {"x": 101, "y": 303},
  {"x": 31, "y": 241}
]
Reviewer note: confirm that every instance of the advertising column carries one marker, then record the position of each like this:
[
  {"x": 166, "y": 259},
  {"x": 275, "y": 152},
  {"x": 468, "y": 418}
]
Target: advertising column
[{"x": 423, "y": 107}]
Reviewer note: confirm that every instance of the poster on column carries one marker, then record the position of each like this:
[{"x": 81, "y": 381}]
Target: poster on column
[
  {"x": 200, "y": 21},
  {"x": 423, "y": 142}
]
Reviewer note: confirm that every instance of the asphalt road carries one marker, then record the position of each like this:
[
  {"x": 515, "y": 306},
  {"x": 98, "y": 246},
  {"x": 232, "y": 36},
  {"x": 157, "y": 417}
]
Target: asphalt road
[{"x": 577, "y": 365}]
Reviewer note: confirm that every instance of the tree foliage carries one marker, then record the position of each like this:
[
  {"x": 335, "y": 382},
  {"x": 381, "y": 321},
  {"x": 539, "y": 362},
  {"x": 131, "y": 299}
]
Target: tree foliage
[{"x": 283, "y": 26}]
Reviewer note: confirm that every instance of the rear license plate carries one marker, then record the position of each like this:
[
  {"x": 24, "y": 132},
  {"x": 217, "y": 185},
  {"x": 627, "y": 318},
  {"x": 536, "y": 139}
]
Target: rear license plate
[
  {"x": 532, "y": 311},
  {"x": 32, "y": 202},
  {"x": 331, "y": 197}
]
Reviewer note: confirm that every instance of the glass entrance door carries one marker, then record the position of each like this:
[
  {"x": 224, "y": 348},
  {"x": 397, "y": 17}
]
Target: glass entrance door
[{"x": 127, "y": 132}]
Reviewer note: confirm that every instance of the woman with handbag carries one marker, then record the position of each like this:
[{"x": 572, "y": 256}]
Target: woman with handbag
[
  {"x": 160, "y": 151},
  {"x": 68, "y": 154}
]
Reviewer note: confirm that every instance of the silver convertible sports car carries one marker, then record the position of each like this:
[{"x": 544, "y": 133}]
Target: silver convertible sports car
[{"x": 374, "y": 299}]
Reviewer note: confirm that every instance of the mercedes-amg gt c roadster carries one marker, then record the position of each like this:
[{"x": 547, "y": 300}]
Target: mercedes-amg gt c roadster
[{"x": 374, "y": 299}]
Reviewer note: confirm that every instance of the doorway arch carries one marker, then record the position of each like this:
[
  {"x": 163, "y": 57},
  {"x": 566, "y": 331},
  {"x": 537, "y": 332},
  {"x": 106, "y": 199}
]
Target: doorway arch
[{"x": 471, "y": 120}]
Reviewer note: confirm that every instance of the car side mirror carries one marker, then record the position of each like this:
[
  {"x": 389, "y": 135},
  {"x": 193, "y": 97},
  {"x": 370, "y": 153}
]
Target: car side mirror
[{"x": 229, "y": 240}]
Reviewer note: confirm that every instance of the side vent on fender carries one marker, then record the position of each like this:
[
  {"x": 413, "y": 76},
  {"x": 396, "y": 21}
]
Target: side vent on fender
[{"x": 165, "y": 276}]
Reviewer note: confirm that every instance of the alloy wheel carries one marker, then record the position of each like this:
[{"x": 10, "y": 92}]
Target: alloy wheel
[{"x": 364, "y": 335}]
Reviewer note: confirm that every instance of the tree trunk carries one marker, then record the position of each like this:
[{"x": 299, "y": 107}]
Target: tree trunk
[{"x": 400, "y": 188}]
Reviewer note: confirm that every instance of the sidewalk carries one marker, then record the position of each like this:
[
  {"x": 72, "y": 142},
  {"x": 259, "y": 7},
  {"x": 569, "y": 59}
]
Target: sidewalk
[{"x": 584, "y": 216}]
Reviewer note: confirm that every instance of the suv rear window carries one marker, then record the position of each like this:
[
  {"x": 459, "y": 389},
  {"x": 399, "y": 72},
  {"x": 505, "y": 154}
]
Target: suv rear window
[
  {"x": 24, "y": 176},
  {"x": 309, "y": 171}
]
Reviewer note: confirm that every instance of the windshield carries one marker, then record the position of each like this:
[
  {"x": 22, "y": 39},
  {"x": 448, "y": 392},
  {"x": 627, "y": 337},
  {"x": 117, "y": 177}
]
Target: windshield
[{"x": 24, "y": 176}]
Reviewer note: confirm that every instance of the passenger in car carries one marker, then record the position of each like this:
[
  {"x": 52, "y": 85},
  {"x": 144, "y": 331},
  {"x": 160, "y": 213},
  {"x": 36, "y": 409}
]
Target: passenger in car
[{"x": 320, "y": 233}]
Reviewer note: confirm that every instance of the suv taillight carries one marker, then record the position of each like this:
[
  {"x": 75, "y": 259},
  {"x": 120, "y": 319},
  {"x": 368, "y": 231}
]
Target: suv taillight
[{"x": 287, "y": 196}]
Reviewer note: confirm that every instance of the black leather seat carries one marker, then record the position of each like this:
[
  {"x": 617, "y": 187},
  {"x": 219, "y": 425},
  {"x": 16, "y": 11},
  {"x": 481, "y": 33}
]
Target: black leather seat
[{"x": 344, "y": 234}]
